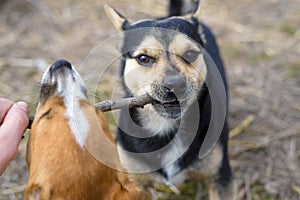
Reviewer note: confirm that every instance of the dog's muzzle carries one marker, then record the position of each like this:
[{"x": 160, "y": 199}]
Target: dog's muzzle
[
  {"x": 170, "y": 96},
  {"x": 63, "y": 80},
  {"x": 174, "y": 86},
  {"x": 59, "y": 65}
]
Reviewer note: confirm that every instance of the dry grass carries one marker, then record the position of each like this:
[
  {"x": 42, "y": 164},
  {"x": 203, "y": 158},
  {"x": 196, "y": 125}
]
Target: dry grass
[{"x": 259, "y": 41}]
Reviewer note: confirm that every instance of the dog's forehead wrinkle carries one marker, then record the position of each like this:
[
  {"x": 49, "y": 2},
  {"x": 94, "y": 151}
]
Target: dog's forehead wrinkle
[
  {"x": 147, "y": 41},
  {"x": 173, "y": 24},
  {"x": 135, "y": 39},
  {"x": 162, "y": 44},
  {"x": 178, "y": 47}
]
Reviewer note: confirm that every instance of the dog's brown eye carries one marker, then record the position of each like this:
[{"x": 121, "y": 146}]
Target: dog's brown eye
[
  {"x": 190, "y": 56},
  {"x": 145, "y": 60}
]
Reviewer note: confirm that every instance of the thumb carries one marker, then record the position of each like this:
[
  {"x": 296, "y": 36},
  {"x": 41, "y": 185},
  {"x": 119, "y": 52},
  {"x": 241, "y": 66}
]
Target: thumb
[
  {"x": 11, "y": 131},
  {"x": 16, "y": 120},
  {"x": 15, "y": 123}
]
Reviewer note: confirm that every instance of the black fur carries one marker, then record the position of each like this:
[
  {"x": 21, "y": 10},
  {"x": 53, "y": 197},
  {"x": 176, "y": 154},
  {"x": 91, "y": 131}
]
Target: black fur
[
  {"x": 149, "y": 144},
  {"x": 134, "y": 38},
  {"x": 182, "y": 7},
  {"x": 175, "y": 8}
]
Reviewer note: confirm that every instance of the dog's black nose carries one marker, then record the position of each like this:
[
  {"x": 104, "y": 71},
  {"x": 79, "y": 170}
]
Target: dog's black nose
[
  {"x": 60, "y": 64},
  {"x": 175, "y": 85}
]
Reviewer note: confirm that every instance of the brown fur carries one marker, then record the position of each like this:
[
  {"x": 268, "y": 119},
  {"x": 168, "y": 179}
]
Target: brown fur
[{"x": 61, "y": 169}]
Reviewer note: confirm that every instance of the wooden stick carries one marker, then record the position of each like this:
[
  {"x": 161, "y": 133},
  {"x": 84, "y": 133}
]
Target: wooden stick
[
  {"x": 296, "y": 188},
  {"x": 108, "y": 105},
  {"x": 138, "y": 101},
  {"x": 242, "y": 126}
]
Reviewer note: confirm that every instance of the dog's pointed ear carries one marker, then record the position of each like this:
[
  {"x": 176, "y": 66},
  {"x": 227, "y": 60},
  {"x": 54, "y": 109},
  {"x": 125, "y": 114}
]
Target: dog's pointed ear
[
  {"x": 197, "y": 11},
  {"x": 194, "y": 10},
  {"x": 115, "y": 17}
]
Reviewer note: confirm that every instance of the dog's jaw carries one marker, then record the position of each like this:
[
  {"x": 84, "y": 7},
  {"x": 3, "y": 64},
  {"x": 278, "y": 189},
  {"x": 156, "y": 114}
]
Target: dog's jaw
[
  {"x": 168, "y": 110},
  {"x": 154, "y": 122},
  {"x": 173, "y": 106}
]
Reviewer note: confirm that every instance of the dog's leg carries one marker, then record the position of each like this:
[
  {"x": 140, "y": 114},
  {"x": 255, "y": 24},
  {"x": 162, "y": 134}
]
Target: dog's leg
[
  {"x": 36, "y": 192},
  {"x": 217, "y": 191},
  {"x": 198, "y": 192},
  {"x": 213, "y": 192},
  {"x": 230, "y": 192},
  {"x": 224, "y": 187}
]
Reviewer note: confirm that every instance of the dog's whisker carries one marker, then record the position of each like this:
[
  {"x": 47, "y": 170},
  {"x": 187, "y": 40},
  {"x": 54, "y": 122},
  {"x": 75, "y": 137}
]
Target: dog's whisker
[{"x": 95, "y": 96}]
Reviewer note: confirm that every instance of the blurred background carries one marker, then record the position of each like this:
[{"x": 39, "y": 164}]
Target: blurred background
[{"x": 260, "y": 45}]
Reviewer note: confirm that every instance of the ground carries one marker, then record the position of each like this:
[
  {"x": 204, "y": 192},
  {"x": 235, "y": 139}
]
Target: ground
[{"x": 260, "y": 44}]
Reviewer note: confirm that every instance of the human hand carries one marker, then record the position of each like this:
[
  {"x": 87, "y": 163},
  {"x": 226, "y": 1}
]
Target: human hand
[{"x": 13, "y": 123}]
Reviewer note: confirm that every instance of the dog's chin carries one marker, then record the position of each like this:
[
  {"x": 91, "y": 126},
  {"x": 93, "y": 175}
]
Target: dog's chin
[{"x": 172, "y": 110}]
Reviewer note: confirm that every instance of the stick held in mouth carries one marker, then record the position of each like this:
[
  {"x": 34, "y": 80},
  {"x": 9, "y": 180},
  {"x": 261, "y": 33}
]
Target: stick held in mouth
[{"x": 108, "y": 105}]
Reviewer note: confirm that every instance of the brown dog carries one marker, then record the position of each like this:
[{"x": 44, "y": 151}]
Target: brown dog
[{"x": 66, "y": 135}]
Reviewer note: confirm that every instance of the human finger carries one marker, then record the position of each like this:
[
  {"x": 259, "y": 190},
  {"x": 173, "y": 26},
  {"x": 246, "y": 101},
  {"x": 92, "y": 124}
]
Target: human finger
[{"x": 5, "y": 105}]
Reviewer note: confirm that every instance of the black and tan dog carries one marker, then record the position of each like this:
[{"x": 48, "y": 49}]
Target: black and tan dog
[{"x": 165, "y": 58}]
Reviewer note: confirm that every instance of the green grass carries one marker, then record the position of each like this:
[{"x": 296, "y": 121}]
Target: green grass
[
  {"x": 258, "y": 57},
  {"x": 258, "y": 192},
  {"x": 32, "y": 73},
  {"x": 231, "y": 50},
  {"x": 292, "y": 69},
  {"x": 100, "y": 95},
  {"x": 188, "y": 191},
  {"x": 287, "y": 29}
]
